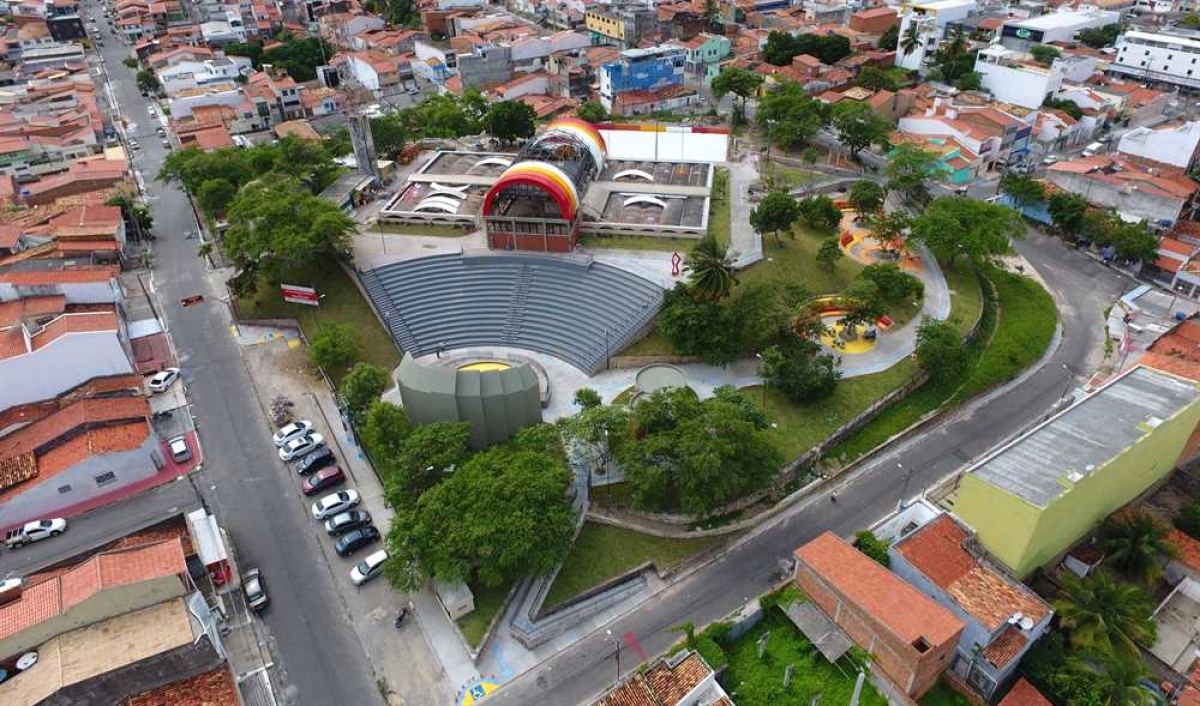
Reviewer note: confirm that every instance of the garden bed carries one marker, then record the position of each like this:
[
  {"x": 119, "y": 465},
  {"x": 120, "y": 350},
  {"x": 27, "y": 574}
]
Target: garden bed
[{"x": 488, "y": 602}]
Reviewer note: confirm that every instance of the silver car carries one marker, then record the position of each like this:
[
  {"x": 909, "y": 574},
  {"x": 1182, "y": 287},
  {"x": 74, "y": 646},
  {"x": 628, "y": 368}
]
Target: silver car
[
  {"x": 335, "y": 503},
  {"x": 301, "y": 446},
  {"x": 255, "y": 590},
  {"x": 295, "y": 430}
]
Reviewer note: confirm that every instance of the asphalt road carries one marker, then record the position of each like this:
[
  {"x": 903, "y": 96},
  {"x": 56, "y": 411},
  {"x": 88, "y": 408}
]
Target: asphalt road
[
  {"x": 586, "y": 669},
  {"x": 319, "y": 659}
]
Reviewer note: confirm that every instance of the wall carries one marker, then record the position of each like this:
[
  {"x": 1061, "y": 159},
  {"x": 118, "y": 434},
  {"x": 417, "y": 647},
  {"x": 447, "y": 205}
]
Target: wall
[
  {"x": 1020, "y": 85},
  {"x": 61, "y": 365},
  {"x": 45, "y": 500},
  {"x": 1135, "y": 203},
  {"x": 75, "y": 293},
  {"x": 164, "y": 668},
  {"x": 101, "y": 606}
]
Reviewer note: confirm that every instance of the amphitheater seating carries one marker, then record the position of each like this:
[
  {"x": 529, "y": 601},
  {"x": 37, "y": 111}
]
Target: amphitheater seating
[{"x": 579, "y": 312}]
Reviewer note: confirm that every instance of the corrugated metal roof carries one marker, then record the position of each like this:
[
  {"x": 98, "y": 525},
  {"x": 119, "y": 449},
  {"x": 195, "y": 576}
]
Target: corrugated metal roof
[{"x": 1044, "y": 463}]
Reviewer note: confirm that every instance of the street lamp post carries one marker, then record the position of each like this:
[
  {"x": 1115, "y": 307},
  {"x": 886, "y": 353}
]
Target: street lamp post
[
  {"x": 764, "y": 381},
  {"x": 617, "y": 644}
]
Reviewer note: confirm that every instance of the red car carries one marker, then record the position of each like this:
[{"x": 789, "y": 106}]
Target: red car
[{"x": 328, "y": 477}]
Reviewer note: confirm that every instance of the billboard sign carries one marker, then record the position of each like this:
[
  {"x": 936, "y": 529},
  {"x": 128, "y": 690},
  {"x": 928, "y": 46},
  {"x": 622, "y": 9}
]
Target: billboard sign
[{"x": 295, "y": 294}]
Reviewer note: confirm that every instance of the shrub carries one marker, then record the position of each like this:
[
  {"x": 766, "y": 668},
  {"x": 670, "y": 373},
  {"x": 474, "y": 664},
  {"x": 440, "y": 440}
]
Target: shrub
[
  {"x": 872, "y": 546},
  {"x": 334, "y": 347},
  {"x": 1188, "y": 521}
]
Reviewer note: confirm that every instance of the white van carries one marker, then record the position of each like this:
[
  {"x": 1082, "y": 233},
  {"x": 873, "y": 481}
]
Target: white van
[{"x": 1093, "y": 149}]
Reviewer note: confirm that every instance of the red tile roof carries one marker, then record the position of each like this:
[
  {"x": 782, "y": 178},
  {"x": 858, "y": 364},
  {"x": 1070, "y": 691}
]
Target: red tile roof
[
  {"x": 30, "y": 307},
  {"x": 1189, "y": 549},
  {"x": 1024, "y": 694},
  {"x": 660, "y": 685},
  {"x": 939, "y": 551},
  {"x": 215, "y": 688},
  {"x": 47, "y": 597},
  {"x": 86, "y": 412},
  {"x": 74, "y": 323},
  {"x": 1005, "y": 647},
  {"x": 66, "y": 275},
  {"x": 907, "y": 612}
]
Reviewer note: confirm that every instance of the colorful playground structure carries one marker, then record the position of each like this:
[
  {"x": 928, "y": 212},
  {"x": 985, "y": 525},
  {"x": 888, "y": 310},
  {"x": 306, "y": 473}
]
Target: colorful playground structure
[{"x": 857, "y": 243}]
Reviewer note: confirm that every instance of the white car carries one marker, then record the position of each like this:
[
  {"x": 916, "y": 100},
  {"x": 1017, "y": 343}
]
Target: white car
[
  {"x": 368, "y": 568},
  {"x": 35, "y": 531},
  {"x": 151, "y": 109},
  {"x": 294, "y": 430},
  {"x": 335, "y": 503},
  {"x": 301, "y": 446},
  {"x": 163, "y": 379},
  {"x": 179, "y": 449}
]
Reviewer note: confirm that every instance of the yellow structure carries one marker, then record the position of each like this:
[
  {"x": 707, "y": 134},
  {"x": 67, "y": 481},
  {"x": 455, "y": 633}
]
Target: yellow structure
[
  {"x": 605, "y": 24},
  {"x": 1031, "y": 499},
  {"x": 484, "y": 366}
]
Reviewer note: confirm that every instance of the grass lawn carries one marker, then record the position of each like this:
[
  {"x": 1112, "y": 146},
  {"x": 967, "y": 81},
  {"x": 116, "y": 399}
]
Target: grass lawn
[
  {"x": 793, "y": 260},
  {"x": 800, "y": 427},
  {"x": 416, "y": 229},
  {"x": 759, "y": 682},
  {"x": 653, "y": 343},
  {"x": 342, "y": 303},
  {"x": 638, "y": 242},
  {"x": 719, "y": 223},
  {"x": 625, "y": 395},
  {"x": 942, "y": 695},
  {"x": 790, "y": 177},
  {"x": 488, "y": 602},
  {"x": 619, "y": 494},
  {"x": 966, "y": 298},
  {"x": 602, "y": 552}
]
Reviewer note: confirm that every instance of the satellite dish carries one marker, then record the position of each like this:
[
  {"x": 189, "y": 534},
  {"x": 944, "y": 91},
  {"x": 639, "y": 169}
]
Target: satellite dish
[
  {"x": 26, "y": 661},
  {"x": 1026, "y": 624}
]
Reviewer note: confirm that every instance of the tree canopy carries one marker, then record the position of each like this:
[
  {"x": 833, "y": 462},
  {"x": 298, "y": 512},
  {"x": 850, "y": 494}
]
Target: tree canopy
[
  {"x": 782, "y": 47},
  {"x": 866, "y": 196},
  {"x": 908, "y": 171},
  {"x": 509, "y": 121},
  {"x": 777, "y": 212},
  {"x": 799, "y": 370},
  {"x": 741, "y": 83},
  {"x": 591, "y": 111},
  {"x": 954, "y": 227},
  {"x": 699, "y": 327},
  {"x": 789, "y": 115},
  {"x": 1022, "y": 189},
  {"x": 820, "y": 213},
  {"x": 941, "y": 351},
  {"x": 423, "y": 459},
  {"x": 1102, "y": 615},
  {"x": 711, "y": 275},
  {"x": 1067, "y": 211},
  {"x": 362, "y": 387},
  {"x": 859, "y": 127},
  {"x": 1135, "y": 544},
  {"x": 300, "y": 57}
]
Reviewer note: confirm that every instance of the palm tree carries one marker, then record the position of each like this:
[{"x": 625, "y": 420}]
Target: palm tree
[
  {"x": 1118, "y": 680},
  {"x": 1105, "y": 616},
  {"x": 710, "y": 270},
  {"x": 958, "y": 42},
  {"x": 911, "y": 40},
  {"x": 1134, "y": 544}
]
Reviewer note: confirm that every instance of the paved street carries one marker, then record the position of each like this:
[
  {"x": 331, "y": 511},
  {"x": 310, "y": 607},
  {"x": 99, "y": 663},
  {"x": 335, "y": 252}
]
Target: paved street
[
  {"x": 320, "y": 661},
  {"x": 586, "y": 669}
]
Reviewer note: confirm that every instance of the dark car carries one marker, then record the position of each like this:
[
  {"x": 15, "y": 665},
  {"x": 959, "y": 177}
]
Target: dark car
[
  {"x": 318, "y": 459},
  {"x": 356, "y": 540},
  {"x": 328, "y": 477},
  {"x": 344, "y": 522}
]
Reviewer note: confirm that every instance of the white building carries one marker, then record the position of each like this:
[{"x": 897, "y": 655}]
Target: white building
[
  {"x": 1061, "y": 26},
  {"x": 192, "y": 74},
  {"x": 1166, "y": 58},
  {"x": 931, "y": 19},
  {"x": 1011, "y": 81},
  {"x": 1176, "y": 145},
  {"x": 1157, "y": 7}
]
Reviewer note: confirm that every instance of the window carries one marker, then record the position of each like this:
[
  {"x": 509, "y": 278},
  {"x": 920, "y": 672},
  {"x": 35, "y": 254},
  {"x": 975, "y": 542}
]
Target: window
[
  {"x": 64, "y": 489},
  {"x": 105, "y": 478}
]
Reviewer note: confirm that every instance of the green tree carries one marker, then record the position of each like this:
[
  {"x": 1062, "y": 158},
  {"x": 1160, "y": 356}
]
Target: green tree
[
  {"x": 911, "y": 41},
  {"x": 1100, "y": 37},
  {"x": 894, "y": 283},
  {"x": 820, "y": 213},
  {"x": 711, "y": 274},
  {"x": 274, "y": 226},
  {"x": 1067, "y": 106},
  {"x": 941, "y": 352},
  {"x": 130, "y": 62},
  {"x": 1134, "y": 241},
  {"x": 1119, "y": 680},
  {"x": 1067, "y": 211},
  {"x": 389, "y": 132},
  {"x": 859, "y": 127},
  {"x": 800, "y": 371},
  {"x": 866, "y": 196},
  {"x": 1188, "y": 520},
  {"x": 1134, "y": 544},
  {"x": 426, "y": 456},
  {"x": 762, "y": 312},
  {"x": 890, "y": 229},
  {"x": 361, "y": 387},
  {"x": 866, "y": 304},
  {"x": 605, "y": 429},
  {"x": 334, "y": 347},
  {"x": 700, "y": 328},
  {"x": 890, "y": 38},
  {"x": 215, "y": 195},
  {"x": 789, "y": 116},
  {"x": 712, "y": 11},
  {"x": 383, "y": 431},
  {"x": 509, "y": 121},
  {"x": 741, "y": 83},
  {"x": 403, "y": 13},
  {"x": 250, "y": 50},
  {"x": 782, "y": 47},
  {"x": 1022, "y": 189},
  {"x": 1191, "y": 21},
  {"x": 777, "y": 211},
  {"x": 908, "y": 170},
  {"x": 299, "y": 57},
  {"x": 136, "y": 216},
  {"x": 830, "y": 253},
  {"x": 1044, "y": 54},
  {"x": 969, "y": 81},
  {"x": 587, "y": 398},
  {"x": 867, "y": 543},
  {"x": 591, "y": 111},
  {"x": 502, "y": 515},
  {"x": 147, "y": 80},
  {"x": 876, "y": 79},
  {"x": 976, "y": 230},
  {"x": 1105, "y": 616}
]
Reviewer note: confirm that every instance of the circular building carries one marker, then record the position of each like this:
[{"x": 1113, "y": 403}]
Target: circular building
[
  {"x": 496, "y": 399},
  {"x": 536, "y": 202}
]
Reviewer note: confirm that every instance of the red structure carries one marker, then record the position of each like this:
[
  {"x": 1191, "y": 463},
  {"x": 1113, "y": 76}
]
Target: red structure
[{"x": 535, "y": 204}]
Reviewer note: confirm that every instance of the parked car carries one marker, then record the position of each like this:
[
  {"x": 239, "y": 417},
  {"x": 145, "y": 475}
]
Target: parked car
[
  {"x": 166, "y": 144},
  {"x": 295, "y": 430},
  {"x": 1051, "y": 159},
  {"x": 353, "y": 541},
  {"x": 335, "y": 503},
  {"x": 255, "y": 590},
  {"x": 35, "y": 531},
  {"x": 180, "y": 451},
  {"x": 368, "y": 568},
  {"x": 301, "y": 446},
  {"x": 344, "y": 522},
  {"x": 324, "y": 479},
  {"x": 318, "y": 459},
  {"x": 133, "y": 144},
  {"x": 163, "y": 380},
  {"x": 151, "y": 109}
]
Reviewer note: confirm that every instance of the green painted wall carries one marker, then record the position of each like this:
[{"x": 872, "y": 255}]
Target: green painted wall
[{"x": 1025, "y": 537}]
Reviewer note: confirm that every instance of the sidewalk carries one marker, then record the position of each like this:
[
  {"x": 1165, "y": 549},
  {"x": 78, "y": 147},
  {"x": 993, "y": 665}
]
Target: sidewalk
[{"x": 424, "y": 662}]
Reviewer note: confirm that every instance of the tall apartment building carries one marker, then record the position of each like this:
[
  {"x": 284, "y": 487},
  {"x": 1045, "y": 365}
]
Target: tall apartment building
[
  {"x": 642, "y": 70},
  {"x": 1163, "y": 58}
]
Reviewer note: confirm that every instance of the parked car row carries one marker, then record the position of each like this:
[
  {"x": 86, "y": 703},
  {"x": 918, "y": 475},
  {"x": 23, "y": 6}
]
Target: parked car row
[{"x": 315, "y": 463}]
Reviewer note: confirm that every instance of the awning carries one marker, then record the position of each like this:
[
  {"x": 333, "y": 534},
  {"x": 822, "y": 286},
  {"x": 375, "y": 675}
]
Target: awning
[{"x": 830, "y": 641}]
